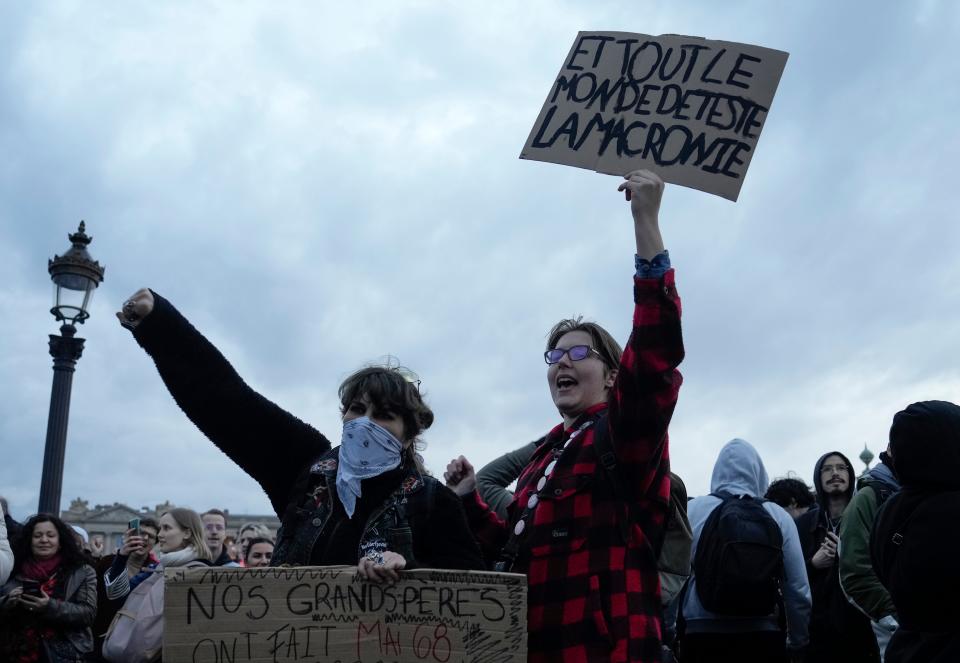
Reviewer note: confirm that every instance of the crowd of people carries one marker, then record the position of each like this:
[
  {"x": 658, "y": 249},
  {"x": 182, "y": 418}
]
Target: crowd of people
[
  {"x": 60, "y": 599},
  {"x": 621, "y": 565}
]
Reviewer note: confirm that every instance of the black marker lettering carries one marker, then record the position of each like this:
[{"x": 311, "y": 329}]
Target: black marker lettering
[
  {"x": 643, "y": 101},
  {"x": 305, "y": 607},
  {"x": 695, "y": 51},
  {"x": 706, "y": 72},
  {"x": 668, "y": 90},
  {"x": 626, "y": 54},
  {"x": 624, "y": 145},
  {"x": 576, "y": 51},
  {"x": 255, "y": 593},
  {"x": 193, "y": 598},
  {"x": 737, "y": 71},
  {"x": 664, "y": 76},
  {"x": 580, "y": 93},
  {"x": 213, "y": 644},
  {"x": 225, "y": 600},
  {"x": 537, "y": 142},
  {"x": 653, "y": 67},
  {"x": 734, "y": 159}
]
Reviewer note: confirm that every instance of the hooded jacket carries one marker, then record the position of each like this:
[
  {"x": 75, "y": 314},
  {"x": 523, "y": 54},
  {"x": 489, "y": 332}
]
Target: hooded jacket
[
  {"x": 838, "y": 630},
  {"x": 921, "y": 571},
  {"x": 740, "y": 471},
  {"x": 857, "y": 578},
  {"x": 6, "y": 554}
]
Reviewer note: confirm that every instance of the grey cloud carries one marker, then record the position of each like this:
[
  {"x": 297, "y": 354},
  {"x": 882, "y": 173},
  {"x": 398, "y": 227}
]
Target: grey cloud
[{"x": 316, "y": 189}]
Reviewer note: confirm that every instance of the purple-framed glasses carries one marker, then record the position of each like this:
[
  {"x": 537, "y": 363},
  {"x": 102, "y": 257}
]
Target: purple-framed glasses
[{"x": 576, "y": 353}]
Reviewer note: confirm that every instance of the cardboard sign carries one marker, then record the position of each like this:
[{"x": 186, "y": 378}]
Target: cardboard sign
[
  {"x": 233, "y": 615},
  {"x": 687, "y": 108}
]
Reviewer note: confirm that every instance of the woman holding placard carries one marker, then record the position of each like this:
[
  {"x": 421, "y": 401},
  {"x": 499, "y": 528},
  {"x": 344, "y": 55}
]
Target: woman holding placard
[{"x": 588, "y": 516}]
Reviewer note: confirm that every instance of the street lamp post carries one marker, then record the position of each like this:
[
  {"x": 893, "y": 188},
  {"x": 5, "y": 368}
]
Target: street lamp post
[{"x": 75, "y": 276}]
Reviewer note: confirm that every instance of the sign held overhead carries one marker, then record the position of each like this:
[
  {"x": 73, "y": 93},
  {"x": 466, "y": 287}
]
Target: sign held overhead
[{"x": 687, "y": 108}]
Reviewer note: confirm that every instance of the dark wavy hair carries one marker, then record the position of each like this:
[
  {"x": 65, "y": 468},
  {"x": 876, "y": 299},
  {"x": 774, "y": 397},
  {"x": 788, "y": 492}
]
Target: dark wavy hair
[
  {"x": 789, "y": 490},
  {"x": 72, "y": 555},
  {"x": 254, "y": 542},
  {"x": 391, "y": 390}
]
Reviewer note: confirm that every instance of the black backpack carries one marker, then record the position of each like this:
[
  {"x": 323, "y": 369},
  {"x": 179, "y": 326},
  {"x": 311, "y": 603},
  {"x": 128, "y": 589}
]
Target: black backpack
[
  {"x": 913, "y": 547},
  {"x": 738, "y": 565}
]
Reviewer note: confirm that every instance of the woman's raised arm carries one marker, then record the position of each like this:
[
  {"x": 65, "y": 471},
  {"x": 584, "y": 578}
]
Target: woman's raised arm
[{"x": 266, "y": 441}]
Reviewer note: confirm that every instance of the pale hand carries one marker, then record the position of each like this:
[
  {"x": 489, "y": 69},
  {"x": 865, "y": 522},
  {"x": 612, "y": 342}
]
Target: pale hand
[
  {"x": 138, "y": 306},
  {"x": 132, "y": 543},
  {"x": 460, "y": 476},
  {"x": 827, "y": 553},
  {"x": 644, "y": 189},
  {"x": 382, "y": 569}
]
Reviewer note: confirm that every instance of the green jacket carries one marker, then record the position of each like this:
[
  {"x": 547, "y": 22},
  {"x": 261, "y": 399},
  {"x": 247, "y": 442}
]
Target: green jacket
[{"x": 857, "y": 578}]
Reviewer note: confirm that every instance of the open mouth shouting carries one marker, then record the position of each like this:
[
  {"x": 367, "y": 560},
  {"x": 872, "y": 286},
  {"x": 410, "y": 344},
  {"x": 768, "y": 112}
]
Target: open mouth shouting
[{"x": 565, "y": 383}]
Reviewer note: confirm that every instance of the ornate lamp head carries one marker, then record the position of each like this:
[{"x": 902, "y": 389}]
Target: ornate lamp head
[{"x": 75, "y": 276}]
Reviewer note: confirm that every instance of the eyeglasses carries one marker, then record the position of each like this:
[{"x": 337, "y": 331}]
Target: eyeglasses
[
  {"x": 829, "y": 469},
  {"x": 576, "y": 353}
]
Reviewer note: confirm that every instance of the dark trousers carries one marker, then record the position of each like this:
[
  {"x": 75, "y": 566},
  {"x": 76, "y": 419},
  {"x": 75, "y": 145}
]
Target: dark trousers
[{"x": 755, "y": 647}]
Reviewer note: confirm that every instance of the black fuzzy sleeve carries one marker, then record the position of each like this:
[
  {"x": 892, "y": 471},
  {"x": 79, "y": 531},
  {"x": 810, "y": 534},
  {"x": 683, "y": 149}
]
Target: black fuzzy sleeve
[
  {"x": 266, "y": 441},
  {"x": 444, "y": 540}
]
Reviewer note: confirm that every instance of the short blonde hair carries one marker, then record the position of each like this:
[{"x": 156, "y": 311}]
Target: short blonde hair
[
  {"x": 189, "y": 521},
  {"x": 260, "y": 531}
]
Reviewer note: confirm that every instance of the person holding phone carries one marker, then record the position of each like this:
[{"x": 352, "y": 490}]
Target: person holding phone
[
  {"x": 49, "y": 603},
  {"x": 135, "y": 560},
  {"x": 140, "y": 560},
  {"x": 839, "y": 632}
]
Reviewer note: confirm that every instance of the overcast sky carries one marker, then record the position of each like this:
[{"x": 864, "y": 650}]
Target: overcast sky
[{"x": 316, "y": 187}]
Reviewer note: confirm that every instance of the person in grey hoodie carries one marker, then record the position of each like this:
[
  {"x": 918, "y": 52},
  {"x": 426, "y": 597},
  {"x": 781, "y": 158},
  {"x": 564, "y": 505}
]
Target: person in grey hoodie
[
  {"x": 717, "y": 638},
  {"x": 6, "y": 554}
]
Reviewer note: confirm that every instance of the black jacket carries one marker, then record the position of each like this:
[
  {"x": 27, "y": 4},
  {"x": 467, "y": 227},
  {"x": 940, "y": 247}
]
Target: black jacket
[
  {"x": 70, "y": 617},
  {"x": 838, "y": 631},
  {"x": 915, "y": 542},
  {"x": 298, "y": 463}
]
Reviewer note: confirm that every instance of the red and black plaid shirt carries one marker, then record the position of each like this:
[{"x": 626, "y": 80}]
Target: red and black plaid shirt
[{"x": 593, "y": 596}]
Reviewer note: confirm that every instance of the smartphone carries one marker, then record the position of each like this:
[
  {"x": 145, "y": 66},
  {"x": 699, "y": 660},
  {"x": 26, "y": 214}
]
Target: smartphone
[
  {"x": 134, "y": 524},
  {"x": 31, "y": 588}
]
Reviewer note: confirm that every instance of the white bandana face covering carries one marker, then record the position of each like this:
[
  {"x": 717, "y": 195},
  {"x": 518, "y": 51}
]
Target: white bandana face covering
[{"x": 366, "y": 450}]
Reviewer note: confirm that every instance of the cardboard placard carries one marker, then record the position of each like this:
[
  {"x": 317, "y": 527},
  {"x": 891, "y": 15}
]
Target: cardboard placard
[
  {"x": 234, "y": 615},
  {"x": 687, "y": 108}
]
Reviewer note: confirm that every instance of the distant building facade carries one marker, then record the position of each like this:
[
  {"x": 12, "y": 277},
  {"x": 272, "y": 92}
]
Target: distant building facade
[{"x": 109, "y": 521}]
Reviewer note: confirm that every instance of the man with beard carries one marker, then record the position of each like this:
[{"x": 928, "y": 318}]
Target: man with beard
[{"x": 838, "y": 631}]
